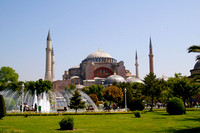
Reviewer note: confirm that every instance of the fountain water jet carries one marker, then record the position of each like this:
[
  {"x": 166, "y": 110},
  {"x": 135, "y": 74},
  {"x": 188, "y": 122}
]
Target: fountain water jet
[{"x": 49, "y": 102}]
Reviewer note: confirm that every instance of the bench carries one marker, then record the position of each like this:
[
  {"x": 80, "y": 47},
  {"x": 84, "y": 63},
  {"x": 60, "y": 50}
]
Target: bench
[
  {"x": 62, "y": 110},
  {"x": 90, "y": 109}
]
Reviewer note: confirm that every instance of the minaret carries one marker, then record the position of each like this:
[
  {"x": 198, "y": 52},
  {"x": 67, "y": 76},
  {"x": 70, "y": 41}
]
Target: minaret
[
  {"x": 151, "y": 57},
  {"x": 136, "y": 66},
  {"x": 52, "y": 64},
  {"x": 48, "y": 58}
]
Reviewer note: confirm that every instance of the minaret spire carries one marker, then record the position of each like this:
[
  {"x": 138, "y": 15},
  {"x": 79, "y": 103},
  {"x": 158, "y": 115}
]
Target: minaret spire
[
  {"x": 150, "y": 44},
  {"x": 136, "y": 65},
  {"x": 49, "y": 36},
  {"x": 151, "y": 57},
  {"x": 48, "y": 75}
]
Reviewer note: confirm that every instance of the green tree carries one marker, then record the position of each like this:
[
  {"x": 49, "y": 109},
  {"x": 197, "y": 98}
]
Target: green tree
[
  {"x": 70, "y": 87},
  {"x": 40, "y": 86},
  {"x": 133, "y": 91},
  {"x": 113, "y": 93},
  {"x": 98, "y": 90},
  {"x": 31, "y": 86},
  {"x": 165, "y": 95},
  {"x": 75, "y": 101},
  {"x": 195, "y": 49},
  {"x": 183, "y": 87},
  {"x": 194, "y": 90},
  {"x": 7, "y": 74},
  {"x": 129, "y": 94},
  {"x": 137, "y": 90},
  {"x": 150, "y": 87},
  {"x": 86, "y": 90},
  {"x": 2, "y": 107},
  {"x": 15, "y": 86}
]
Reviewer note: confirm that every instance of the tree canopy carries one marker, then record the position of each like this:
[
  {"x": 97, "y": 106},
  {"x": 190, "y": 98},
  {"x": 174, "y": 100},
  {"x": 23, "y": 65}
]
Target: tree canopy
[
  {"x": 39, "y": 86},
  {"x": 95, "y": 89},
  {"x": 113, "y": 93},
  {"x": 183, "y": 87},
  {"x": 75, "y": 101},
  {"x": 7, "y": 74},
  {"x": 70, "y": 87},
  {"x": 94, "y": 98},
  {"x": 195, "y": 49},
  {"x": 151, "y": 88}
]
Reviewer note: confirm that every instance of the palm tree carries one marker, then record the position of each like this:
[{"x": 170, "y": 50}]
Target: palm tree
[{"x": 195, "y": 49}]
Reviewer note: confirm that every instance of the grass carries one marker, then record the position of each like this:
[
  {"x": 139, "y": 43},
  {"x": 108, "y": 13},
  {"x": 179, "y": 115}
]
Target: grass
[{"x": 158, "y": 121}]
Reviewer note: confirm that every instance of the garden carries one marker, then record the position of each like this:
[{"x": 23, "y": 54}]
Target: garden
[
  {"x": 155, "y": 106},
  {"x": 156, "y": 121}
]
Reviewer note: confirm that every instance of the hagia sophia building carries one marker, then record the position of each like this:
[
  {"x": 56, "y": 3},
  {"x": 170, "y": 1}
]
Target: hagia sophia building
[{"x": 98, "y": 68}]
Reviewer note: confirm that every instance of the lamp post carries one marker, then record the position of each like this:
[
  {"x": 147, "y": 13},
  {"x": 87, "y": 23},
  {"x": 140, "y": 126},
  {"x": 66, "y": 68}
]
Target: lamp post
[
  {"x": 125, "y": 100},
  {"x": 22, "y": 96}
]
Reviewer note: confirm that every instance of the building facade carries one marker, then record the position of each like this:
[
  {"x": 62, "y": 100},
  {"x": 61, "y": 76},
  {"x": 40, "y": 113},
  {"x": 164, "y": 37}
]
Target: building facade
[{"x": 97, "y": 66}]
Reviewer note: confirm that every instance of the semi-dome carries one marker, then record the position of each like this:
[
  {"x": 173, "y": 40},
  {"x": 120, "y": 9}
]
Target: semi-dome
[
  {"x": 114, "y": 78},
  {"x": 132, "y": 80},
  {"x": 98, "y": 54},
  {"x": 197, "y": 65}
]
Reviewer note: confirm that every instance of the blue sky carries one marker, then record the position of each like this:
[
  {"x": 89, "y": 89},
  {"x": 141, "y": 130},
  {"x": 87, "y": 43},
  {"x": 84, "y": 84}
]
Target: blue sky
[{"x": 80, "y": 27}]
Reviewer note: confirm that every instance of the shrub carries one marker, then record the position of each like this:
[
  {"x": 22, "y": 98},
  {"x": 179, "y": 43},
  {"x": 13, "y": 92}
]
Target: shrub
[
  {"x": 67, "y": 123},
  {"x": 175, "y": 106},
  {"x": 25, "y": 115},
  {"x": 2, "y": 107},
  {"x": 137, "y": 113},
  {"x": 137, "y": 105}
]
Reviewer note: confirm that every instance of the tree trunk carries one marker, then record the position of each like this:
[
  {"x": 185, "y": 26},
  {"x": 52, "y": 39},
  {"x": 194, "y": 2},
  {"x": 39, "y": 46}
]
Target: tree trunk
[
  {"x": 190, "y": 102},
  {"x": 151, "y": 103}
]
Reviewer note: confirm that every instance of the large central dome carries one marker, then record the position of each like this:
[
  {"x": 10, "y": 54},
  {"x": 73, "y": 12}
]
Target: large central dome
[{"x": 99, "y": 54}]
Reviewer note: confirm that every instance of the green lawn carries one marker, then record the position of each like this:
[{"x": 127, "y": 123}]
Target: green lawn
[{"x": 149, "y": 122}]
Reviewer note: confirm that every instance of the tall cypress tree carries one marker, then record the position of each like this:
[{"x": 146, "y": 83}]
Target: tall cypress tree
[
  {"x": 75, "y": 101},
  {"x": 2, "y": 107}
]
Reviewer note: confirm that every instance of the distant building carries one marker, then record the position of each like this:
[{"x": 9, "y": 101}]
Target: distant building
[
  {"x": 196, "y": 70},
  {"x": 97, "y": 68}
]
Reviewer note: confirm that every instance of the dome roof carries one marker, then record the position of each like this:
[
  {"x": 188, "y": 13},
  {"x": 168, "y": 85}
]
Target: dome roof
[
  {"x": 132, "y": 80},
  {"x": 74, "y": 77},
  {"x": 114, "y": 78},
  {"x": 197, "y": 65},
  {"x": 99, "y": 54},
  {"x": 75, "y": 67}
]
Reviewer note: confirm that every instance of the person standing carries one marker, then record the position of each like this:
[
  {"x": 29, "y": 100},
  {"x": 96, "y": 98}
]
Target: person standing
[{"x": 35, "y": 107}]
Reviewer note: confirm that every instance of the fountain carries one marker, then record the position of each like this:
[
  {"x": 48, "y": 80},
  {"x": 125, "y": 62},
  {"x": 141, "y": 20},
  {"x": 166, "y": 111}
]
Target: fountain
[{"x": 46, "y": 102}]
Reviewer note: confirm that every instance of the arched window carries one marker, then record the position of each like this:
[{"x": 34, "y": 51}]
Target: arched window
[{"x": 102, "y": 72}]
